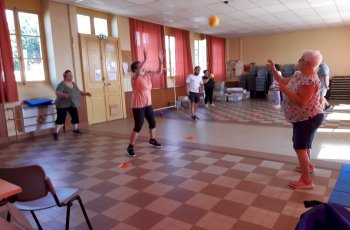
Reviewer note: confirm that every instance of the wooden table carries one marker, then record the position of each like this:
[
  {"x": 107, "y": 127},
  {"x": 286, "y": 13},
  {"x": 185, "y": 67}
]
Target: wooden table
[{"x": 8, "y": 189}]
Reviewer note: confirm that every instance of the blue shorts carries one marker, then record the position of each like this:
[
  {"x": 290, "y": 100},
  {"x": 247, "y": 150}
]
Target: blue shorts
[{"x": 304, "y": 132}]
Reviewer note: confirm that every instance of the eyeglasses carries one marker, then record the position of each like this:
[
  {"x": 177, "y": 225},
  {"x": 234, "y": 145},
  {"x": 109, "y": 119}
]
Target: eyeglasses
[{"x": 301, "y": 60}]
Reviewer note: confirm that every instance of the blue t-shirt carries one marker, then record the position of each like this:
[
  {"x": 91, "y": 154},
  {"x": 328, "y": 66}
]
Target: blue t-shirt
[{"x": 323, "y": 71}]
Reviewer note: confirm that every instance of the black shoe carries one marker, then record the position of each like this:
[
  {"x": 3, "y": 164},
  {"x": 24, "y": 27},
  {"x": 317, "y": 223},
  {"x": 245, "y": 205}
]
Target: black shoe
[
  {"x": 130, "y": 150},
  {"x": 77, "y": 131},
  {"x": 55, "y": 136},
  {"x": 195, "y": 118},
  {"x": 155, "y": 143},
  {"x": 327, "y": 107}
]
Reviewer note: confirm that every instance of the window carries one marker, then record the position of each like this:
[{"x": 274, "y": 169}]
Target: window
[
  {"x": 26, "y": 45},
  {"x": 100, "y": 25},
  {"x": 200, "y": 53},
  {"x": 170, "y": 55},
  {"x": 84, "y": 26}
]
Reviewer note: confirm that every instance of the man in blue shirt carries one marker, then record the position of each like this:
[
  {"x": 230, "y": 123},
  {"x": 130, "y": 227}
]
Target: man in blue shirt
[{"x": 323, "y": 74}]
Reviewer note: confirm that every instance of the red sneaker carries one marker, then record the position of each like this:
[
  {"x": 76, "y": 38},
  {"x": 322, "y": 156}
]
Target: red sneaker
[{"x": 304, "y": 184}]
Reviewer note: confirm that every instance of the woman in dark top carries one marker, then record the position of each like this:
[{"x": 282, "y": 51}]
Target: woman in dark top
[
  {"x": 68, "y": 100},
  {"x": 208, "y": 81}
]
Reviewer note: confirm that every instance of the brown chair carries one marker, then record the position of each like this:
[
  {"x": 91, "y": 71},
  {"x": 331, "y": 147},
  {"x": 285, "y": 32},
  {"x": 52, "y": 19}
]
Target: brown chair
[{"x": 36, "y": 187}]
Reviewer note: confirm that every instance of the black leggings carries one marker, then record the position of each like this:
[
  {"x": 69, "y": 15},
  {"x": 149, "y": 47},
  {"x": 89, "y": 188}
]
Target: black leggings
[
  {"x": 62, "y": 114},
  {"x": 209, "y": 95},
  {"x": 140, "y": 114}
]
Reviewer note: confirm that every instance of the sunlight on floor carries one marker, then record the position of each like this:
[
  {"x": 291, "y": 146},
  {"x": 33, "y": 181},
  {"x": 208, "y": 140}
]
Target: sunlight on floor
[
  {"x": 338, "y": 117},
  {"x": 328, "y": 130},
  {"x": 334, "y": 152},
  {"x": 342, "y": 130},
  {"x": 325, "y": 130},
  {"x": 341, "y": 107}
]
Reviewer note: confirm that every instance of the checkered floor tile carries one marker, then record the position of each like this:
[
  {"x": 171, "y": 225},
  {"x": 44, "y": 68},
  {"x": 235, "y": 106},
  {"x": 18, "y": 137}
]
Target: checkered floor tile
[
  {"x": 169, "y": 188},
  {"x": 258, "y": 111}
]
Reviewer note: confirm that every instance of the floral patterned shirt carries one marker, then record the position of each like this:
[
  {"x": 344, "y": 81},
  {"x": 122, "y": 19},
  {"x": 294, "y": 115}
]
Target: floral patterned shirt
[{"x": 295, "y": 112}]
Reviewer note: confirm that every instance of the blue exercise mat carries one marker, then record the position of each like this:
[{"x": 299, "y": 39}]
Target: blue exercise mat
[
  {"x": 342, "y": 186},
  {"x": 341, "y": 198},
  {"x": 38, "y": 102},
  {"x": 346, "y": 168},
  {"x": 341, "y": 191},
  {"x": 344, "y": 176}
]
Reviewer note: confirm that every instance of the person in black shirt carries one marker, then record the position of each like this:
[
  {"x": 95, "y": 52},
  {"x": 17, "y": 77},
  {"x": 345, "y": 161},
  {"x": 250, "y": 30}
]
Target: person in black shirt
[{"x": 208, "y": 81}]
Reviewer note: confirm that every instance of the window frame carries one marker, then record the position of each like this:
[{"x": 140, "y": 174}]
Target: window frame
[
  {"x": 20, "y": 51},
  {"x": 77, "y": 15},
  {"x": 196, "y": 57},
  {"x": 95, "y": 14},
  {"x": 171, "y": 70}
]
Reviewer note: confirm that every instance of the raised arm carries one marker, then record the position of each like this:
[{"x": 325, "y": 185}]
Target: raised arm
[
  {"x": 160, "y": 67},
  {"x": 305, "y": 92},
  {"x": 140, "y": 67},
  {"x": 281, "y": 80}
]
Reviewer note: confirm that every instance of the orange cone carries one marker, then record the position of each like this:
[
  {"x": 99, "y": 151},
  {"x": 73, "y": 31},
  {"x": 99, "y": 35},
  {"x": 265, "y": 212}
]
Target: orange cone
[{"x": 125, "y": 165}]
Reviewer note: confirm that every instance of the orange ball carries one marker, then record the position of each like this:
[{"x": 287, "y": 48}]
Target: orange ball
[{"x": 213, "y": 21}]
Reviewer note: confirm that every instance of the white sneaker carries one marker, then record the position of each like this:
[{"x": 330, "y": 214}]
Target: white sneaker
[
  {"x": 206, "y": 105},
  {"x": 277, "y": 106},
  {"x": 213, "y": 105}
]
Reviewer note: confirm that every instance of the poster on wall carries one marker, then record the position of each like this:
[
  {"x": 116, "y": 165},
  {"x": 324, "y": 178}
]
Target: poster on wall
[
  {"x": 98, "y": 76},
  {"x": 109, "y": 47},
  {"x": 125, "y": 68},
  {"x": 111, "y": 66},
  {"x": 112, "y": 76}
]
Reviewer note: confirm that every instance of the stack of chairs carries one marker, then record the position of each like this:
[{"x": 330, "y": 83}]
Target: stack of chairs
[
  {"x": 251, "y": 78},
  {"x": 243, "y": 81},
  {"x": 261, "y": 81},
  {"x": 287, "y": 70},
  {"x": 219, "y": 91}
]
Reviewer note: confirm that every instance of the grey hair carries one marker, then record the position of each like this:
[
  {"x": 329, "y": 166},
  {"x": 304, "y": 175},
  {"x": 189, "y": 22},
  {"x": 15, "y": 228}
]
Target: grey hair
[{"x": 314, "y": 57}]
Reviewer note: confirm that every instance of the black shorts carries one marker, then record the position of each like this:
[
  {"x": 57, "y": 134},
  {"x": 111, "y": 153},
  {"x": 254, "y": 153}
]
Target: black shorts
[
  {"x": 194, "y": 97},
  {"x": 304, "y": 132},
  {"x": 62, "y": 114}
]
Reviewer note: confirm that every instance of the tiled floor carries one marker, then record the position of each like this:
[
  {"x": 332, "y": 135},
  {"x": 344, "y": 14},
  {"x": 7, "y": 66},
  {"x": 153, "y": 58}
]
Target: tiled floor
[
  {"x": 257, "y": 111},
  {"x": 193, "y": 183}
]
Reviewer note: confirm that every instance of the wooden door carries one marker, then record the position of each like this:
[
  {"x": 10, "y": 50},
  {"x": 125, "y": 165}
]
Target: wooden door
[
  {"x": 102, "y": 78},
  {"x": 113, "y": 73}
]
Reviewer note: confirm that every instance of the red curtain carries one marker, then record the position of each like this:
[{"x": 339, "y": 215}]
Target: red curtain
[
  {"x": 183, "y": 56},
  {"x": 8, "y": 85},
  {"x": 149, "y": 36},
  {"x": 216, "y": 57}
]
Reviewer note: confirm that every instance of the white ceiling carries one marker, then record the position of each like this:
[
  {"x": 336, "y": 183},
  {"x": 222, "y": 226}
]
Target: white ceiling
[{"x": 238, "y": 18}]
